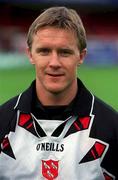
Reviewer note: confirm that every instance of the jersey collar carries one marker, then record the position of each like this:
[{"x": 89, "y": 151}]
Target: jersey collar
[{"x": 81, "y": 104}]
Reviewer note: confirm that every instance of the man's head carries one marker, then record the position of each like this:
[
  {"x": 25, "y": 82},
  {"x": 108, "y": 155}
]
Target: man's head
[
  {"x": 56, "y": 46},
  {"x": 60, "y": 17}
]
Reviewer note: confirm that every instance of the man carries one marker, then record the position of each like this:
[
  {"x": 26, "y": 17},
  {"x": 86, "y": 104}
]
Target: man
[{"x": 56, "y": 129}]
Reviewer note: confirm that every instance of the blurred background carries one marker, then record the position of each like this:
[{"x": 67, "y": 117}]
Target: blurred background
[{"x": 100, "y": 69}]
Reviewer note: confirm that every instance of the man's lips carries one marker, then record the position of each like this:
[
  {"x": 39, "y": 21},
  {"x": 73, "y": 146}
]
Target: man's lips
[{"x": 55, "y": 75}]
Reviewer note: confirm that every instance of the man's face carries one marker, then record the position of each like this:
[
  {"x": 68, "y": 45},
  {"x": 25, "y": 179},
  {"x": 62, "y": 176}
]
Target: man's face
[{"x": 55, "y": 55}]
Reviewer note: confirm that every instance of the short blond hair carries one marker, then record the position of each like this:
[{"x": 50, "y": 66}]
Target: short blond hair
[{"x": 60, "y": 17}]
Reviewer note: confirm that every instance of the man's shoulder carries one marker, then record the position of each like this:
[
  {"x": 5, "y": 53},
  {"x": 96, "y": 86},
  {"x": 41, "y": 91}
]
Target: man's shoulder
[
  {"x": 8, "y": 105},
  {"x": 104, "y": 108},
  {"x": 7, "y": 113}
]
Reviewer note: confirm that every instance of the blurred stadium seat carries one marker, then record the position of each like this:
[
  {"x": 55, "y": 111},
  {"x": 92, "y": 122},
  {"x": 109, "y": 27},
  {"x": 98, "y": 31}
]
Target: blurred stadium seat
[{"x": 99, "y": 18}]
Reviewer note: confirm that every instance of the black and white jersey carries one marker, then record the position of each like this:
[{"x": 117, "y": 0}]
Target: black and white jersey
[{"x": 83, "y": 145}]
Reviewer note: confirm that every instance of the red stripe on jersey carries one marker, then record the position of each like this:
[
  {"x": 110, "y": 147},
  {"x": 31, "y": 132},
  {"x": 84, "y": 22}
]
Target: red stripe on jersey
[
  {"x": 85, "y": 121},
  {"x": 24, "y": 118},
  {"x": 77, "y": 127},
  {"x": 99, "y": 148}
]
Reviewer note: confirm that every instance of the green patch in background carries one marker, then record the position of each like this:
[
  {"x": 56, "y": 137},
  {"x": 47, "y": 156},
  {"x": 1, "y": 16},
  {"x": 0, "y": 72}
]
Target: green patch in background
[{"x": 102, "y": 82}]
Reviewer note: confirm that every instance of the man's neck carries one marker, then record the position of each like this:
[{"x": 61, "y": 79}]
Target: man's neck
[{"x": 58, "y": 99}]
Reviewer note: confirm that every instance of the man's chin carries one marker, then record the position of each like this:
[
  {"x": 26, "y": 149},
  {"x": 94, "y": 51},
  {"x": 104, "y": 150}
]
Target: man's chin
[{"x": 55, "y": 90}]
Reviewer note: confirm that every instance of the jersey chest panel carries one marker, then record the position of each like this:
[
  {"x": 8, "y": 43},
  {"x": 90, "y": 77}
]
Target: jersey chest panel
[{"x": 53, "y": 158}]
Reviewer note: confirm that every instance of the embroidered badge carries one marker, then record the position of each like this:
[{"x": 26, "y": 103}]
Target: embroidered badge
[{"x": 50, "y": 169}]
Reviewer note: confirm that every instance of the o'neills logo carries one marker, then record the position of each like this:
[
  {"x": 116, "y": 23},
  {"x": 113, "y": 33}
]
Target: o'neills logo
[
  {"x": 50, "y": 169},
  {"x": 50, "y": 147}
]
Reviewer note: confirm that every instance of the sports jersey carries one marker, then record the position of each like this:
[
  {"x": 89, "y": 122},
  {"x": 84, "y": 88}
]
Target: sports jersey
[{"x": 79, "y": 144}]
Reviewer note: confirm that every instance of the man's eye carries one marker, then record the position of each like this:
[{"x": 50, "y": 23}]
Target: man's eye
[
  {"x": 43, "y": 51},
  {"x": 65, "y": 53}
]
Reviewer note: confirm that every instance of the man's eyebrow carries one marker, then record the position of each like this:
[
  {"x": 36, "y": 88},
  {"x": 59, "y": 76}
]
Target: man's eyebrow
[
  {"x": 66, "y": 50},
  {"x": 39, "y": 49}
]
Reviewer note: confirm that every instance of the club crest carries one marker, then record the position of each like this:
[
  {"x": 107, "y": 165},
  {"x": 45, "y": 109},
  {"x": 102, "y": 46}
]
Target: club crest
[{"x": 50, "y": 169}]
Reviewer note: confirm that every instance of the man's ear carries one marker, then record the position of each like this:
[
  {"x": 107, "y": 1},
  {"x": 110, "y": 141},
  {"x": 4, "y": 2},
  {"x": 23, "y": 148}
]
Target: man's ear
[
  {"x": 29, "y": 54},
  {"x": 82, "y": 56}
]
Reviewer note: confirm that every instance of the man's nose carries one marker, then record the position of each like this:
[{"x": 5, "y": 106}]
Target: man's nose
[{"x": 54, "y": 60}]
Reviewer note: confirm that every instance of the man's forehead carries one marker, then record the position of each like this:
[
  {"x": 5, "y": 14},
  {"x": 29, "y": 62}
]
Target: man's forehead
[
  {"x": 55, "y": 36},
  {"x": 54, "y": 32},
  {"x": 51, "y": 37}
]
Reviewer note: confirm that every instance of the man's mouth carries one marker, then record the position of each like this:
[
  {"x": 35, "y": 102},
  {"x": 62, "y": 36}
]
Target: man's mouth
[{"x": 54, "y": 75}]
